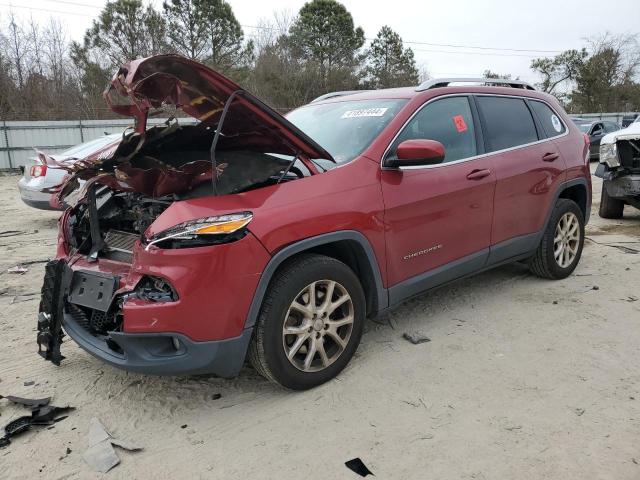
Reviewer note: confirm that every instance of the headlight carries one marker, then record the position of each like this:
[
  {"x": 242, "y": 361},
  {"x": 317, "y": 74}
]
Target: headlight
[
  {"x": 203, "y": 231},
  {"x": 609, "y": 155}
]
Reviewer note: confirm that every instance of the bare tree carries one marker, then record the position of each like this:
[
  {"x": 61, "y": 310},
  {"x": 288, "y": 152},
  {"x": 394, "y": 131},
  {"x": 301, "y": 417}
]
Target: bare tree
[{"x": 17, "y": 48}]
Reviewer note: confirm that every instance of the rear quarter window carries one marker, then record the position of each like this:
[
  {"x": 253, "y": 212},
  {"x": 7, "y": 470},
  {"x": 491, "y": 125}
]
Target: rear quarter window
[
  {"x": 550, "y": 120},
  {"x": 507, "y": 122}
]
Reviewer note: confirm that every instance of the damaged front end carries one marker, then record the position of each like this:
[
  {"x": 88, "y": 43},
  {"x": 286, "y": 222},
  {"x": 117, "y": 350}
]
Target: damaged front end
[
  {"x": 111, "y": 259},
  {"x": 619, "y": 165}
]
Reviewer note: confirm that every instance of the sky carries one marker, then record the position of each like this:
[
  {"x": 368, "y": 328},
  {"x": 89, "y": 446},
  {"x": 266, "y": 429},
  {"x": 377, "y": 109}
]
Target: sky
[{"x": 454, "y": 38}]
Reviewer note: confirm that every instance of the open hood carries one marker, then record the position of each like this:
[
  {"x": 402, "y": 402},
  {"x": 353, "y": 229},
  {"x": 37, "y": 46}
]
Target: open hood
[{"x": 200, "y": 92}]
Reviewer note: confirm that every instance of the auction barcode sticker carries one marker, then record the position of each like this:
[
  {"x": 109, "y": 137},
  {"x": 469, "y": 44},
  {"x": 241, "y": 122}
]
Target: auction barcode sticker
[{"x": 364, "y": 112}]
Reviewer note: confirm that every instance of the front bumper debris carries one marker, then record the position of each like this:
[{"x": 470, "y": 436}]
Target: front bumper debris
[
  {"x": 626, "y": 186},
  {"x": 78, "y": 301},
  {"x": 57, "y": 279}
]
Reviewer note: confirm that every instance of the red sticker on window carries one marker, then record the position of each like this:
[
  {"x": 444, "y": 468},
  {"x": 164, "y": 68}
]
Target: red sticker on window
[{"x": 460, "y": 124}]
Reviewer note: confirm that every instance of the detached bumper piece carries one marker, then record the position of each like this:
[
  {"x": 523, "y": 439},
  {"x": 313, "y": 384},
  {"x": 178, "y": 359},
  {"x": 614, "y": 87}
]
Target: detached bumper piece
[
  {"x": 57, "y": 278},
  {"x": 41, "y": 414}
]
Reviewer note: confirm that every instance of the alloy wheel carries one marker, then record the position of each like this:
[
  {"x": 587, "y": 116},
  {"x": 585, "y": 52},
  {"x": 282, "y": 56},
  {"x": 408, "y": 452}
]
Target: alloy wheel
[
  {"x": 566, "y": 240},
  {"x": 318, "y": 325}
]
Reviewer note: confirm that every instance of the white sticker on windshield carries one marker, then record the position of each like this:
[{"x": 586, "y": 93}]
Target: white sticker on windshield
[
  {"x": 364, "y": 112},
  {"x": 555, "y": 121}
]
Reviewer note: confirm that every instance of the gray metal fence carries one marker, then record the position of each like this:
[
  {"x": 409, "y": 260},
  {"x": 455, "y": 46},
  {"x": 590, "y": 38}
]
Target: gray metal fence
[
  {"x": 19, "y": 139},
  {"x": 607, "y": 116}
]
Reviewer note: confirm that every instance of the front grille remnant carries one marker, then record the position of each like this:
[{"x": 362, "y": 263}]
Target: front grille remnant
[
  {"x": 78, "y": 316},
  {"x": 93, "y": 321},
  {"x": 119, "y": 245},
  {"x": 120, "y": 241}
]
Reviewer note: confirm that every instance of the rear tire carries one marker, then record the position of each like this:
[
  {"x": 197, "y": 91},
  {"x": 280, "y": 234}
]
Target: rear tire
[
  {"x": 610, "y": 207},
  {"x": 304, "y": 338},
  {"x": 561, "y": 246}
]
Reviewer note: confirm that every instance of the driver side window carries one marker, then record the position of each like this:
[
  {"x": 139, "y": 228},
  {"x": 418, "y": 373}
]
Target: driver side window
[
  {"x": 597, "y": 129},
  {"x": 448, "y": 121}
]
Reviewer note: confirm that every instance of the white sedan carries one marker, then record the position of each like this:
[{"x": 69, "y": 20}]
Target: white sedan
[{"x": 38, "y": 179}]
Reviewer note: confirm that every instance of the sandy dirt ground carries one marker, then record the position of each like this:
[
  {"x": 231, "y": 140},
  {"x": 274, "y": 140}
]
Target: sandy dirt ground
[{"x": 523, "y": 378}]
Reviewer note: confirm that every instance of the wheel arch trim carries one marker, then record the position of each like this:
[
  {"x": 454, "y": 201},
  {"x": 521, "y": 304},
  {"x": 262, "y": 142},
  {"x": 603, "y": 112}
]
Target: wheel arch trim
[
  {"x": 566, "y": 185},
  {"x": 305, "y": 244}
]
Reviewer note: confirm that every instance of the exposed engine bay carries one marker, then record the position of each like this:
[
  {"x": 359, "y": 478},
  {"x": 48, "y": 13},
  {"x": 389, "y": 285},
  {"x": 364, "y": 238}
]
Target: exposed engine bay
[
  {"x": 123, "y": 216},
  {"x": 629, "y": 154},
  {"x": 174, "y": 159}
]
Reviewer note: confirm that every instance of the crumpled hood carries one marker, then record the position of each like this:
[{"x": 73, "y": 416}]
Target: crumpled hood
[
  {"x": 253, "y": 143},
  {"x": 201, "y": 92},
  {"x": 632, "y": 132}
]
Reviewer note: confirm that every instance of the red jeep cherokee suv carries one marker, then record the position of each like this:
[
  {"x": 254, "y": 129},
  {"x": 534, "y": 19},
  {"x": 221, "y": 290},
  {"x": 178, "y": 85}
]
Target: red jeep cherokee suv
[{"x": 192, "y": 246}]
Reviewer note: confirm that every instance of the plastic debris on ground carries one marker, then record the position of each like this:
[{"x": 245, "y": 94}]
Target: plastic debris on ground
[
  {"x": 19, "y": 269},
  {"x": 42, "y": 414},
  {"x": 416, "y": 338},
  {"x": 358, "y": 466},
  {"x": 101, "y": 455}
]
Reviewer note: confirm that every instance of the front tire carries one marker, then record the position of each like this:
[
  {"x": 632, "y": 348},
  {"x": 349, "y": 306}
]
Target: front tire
[
  {"x": 561, "y": 246},
  {"x": 310, "y": 323},
  {"x": 610, "y": 207}
]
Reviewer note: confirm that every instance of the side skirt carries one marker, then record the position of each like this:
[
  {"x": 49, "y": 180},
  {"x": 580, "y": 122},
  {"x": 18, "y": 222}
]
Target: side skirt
[{"x": 509, "y": 251}]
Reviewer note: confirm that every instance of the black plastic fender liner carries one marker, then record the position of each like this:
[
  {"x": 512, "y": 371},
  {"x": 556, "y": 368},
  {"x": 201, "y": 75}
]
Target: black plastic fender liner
[
  {"x": 57, "y": 279},
  {"x": 306, "y": 244}
]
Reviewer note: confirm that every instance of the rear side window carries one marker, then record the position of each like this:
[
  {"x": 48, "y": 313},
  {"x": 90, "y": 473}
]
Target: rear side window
[
  {"x": 551, "y": 123},
  {"x": 448, "y": 121},
  {"x": 507, "y": 122}
]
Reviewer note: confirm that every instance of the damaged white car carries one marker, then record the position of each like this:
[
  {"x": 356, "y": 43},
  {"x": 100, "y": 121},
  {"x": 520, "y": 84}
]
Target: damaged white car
[{"x": 619, "y": 169}]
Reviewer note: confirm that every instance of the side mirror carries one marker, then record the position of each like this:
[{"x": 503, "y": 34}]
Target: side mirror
[{"x": 417, "y": 153}]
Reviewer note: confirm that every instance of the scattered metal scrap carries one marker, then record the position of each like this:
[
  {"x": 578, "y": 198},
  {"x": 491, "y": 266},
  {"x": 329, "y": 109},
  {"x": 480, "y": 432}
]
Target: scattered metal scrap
[
  {"x": 28, "y": 402},
  {"x": 42, "y": 414},
  {"x": 19, "y": 269},
  {"x": 100, "y": 455}
]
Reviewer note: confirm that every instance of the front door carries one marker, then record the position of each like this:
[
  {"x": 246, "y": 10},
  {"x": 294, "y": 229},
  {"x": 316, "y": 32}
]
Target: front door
[
  {"x": 438, "y": 217},
  {"x": 597, "y": 132}
]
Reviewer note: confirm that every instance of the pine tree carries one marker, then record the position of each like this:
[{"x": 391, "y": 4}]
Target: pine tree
[{"x": 389, "y": 64}]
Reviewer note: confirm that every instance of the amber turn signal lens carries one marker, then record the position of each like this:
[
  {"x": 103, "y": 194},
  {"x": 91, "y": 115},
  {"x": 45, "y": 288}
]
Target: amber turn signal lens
[{"x": 223, "y": 227}]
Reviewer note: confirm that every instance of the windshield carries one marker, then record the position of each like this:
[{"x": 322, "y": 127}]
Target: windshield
[
  {"x": 85, "y": 149},
  {"x": 584, "y": 127},
  {"x": 345, "y": 129}
]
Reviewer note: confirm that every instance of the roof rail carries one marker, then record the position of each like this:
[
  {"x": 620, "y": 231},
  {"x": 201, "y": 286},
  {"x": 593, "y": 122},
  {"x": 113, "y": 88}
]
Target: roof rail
[
  {"x": 444, "y": 82},
  {"x": 329, "y": 95}
]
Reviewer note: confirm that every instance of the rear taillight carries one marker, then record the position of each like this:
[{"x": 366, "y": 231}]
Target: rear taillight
[
  {"x": 587, "y": 146},
  {"x": 38, "y": 171}
]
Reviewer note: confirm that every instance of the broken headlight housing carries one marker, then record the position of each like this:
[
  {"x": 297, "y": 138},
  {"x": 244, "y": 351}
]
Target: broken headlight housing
[
  {"x": 203, "y": 231},
  {"x": 609, "y": 155}
]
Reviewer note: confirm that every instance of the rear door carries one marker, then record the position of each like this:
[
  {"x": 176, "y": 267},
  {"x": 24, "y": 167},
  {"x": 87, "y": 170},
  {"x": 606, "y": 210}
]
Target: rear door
[
  {"x": 437, "y": 214},
  {"x": 528, "y": 168}
]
